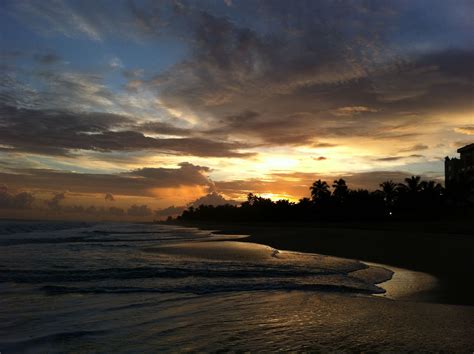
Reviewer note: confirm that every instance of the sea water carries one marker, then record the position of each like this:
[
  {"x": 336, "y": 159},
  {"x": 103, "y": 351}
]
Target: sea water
[{"x": 103, "y": 287}]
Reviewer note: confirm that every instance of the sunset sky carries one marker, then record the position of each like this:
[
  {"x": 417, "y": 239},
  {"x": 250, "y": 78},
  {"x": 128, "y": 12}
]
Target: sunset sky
[{"x": 119, "y": 109}]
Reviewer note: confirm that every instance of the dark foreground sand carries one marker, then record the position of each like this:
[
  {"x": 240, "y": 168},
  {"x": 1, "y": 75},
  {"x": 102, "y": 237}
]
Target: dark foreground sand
[{"x": 444, "y": 250}]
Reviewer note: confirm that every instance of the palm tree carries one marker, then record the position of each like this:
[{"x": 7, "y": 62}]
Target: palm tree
[
  {"x": 340, "y": 190},
  {"x": 430, "y": 186},
  {"x": 389, "y": 189},
  {"x": 431, "y": 189},
  {"x": 320, "y": 191},
  {"x": 413, "y": 184}
]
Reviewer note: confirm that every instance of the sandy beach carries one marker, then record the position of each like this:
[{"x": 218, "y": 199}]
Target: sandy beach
[
  {"x": 391, "y": 282},
  {"x": 440, "y": 255}
]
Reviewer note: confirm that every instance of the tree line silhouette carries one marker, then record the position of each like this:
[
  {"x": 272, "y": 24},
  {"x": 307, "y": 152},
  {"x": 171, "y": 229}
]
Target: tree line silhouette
[{"x": 412, "y": 199}]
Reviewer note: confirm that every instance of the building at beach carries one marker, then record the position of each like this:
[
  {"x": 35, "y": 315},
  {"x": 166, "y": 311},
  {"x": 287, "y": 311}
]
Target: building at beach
[{"x": 459, "y": 172}]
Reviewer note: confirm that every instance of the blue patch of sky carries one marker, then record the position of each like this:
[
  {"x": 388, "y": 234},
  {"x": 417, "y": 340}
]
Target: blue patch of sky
[
  {"x": 433, "y": 26},
  {"x": 64, "y": 164},
  {"x": 152, "y": 58},
  {"x": 153, "y": 55},
  {"x": 416, "y": 168}
]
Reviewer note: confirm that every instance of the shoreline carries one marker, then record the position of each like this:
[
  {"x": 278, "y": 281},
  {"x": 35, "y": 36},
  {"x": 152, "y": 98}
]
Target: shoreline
[
  {"x": 408, "y": 285},
  {"x": 442, "y": 260}
]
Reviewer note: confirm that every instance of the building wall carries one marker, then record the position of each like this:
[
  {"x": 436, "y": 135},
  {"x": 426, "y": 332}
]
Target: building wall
[{"x": 459, "y": 174}]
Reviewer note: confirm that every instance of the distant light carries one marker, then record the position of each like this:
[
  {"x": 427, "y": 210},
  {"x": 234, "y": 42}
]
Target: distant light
[{"x": 390, "y": 213}]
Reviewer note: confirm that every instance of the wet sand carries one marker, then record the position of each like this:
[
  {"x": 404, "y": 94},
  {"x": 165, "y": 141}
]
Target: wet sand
[
  {"x": 391, "y": 282},
  {"x": 445, "y": 252},
  {"x": 409, "y": 285},
  {"x": 394, "y": 319}
]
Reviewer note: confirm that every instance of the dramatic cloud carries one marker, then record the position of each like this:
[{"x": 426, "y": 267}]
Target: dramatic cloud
[
  {"x": 138, "y": 182},
  {"x": 61, "y": 132},
  {"x": 102, "y": 99},
  {"x": 383, "y": 105},
  {"x": 293, "y": 89}
]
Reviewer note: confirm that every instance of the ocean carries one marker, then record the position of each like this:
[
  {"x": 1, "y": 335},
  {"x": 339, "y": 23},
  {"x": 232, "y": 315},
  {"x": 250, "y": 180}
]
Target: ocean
[{"x": 124, "y": 287}]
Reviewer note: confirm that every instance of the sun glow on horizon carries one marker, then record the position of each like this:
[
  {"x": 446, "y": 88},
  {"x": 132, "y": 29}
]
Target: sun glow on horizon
[{"x": 275, "y": 196}]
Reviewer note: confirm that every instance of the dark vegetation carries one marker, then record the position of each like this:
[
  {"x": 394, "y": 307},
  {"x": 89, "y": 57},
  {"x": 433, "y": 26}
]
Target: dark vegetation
[{"x": 413, "y": 200}]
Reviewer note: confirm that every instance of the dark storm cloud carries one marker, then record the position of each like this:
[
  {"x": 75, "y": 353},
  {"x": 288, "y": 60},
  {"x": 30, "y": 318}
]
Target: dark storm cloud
[
  {"x": 138, "y": 182},
  {"x": 59, "y": 133}
]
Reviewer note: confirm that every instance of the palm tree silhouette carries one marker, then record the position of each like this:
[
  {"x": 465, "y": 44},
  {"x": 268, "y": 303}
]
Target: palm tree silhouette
[
  {"x": 431, "y": 189},
  {"x": 389, "y": 189},
  {"x": 319, "y": 191},
  {"x": 430, "y": 186},
  {"x": 340, "y": 190},
  {"x": 412, "y": 185}
]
